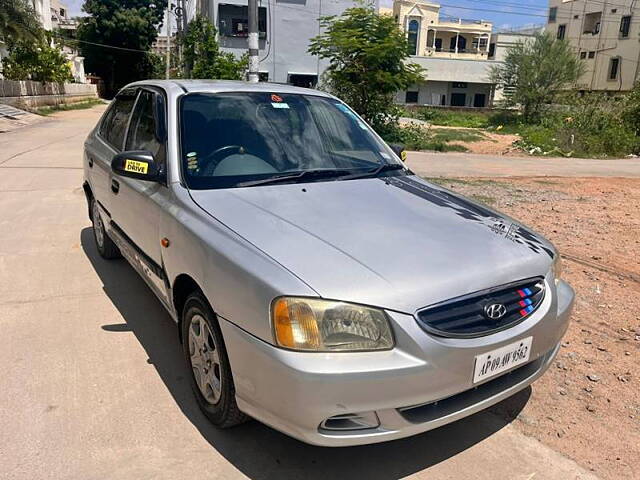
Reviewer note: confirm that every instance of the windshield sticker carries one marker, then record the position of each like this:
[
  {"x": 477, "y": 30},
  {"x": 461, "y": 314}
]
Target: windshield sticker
[
  {"x": 280, "y": 105},
  {"x": 192, "y": 161},
  {"x": 276, "y": 98}
]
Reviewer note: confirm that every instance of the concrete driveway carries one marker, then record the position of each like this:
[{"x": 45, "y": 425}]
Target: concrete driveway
[
  {"x": 433, "y": 164},
  {"x": 93, "y": 384}
]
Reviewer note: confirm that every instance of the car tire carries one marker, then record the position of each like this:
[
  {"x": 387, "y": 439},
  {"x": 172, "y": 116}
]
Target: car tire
[
  {"x": 106, "y": 247},
  {"x": 209, "y": 370}
]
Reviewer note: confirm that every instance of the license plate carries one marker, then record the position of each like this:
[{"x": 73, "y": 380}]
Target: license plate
[{"x": 501, "y": 359}]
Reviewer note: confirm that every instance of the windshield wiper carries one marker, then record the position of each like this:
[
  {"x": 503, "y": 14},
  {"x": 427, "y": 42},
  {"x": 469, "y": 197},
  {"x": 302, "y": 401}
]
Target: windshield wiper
[
  {"x": 318, "y": 173},
  {"x": 385, "y": 167}
]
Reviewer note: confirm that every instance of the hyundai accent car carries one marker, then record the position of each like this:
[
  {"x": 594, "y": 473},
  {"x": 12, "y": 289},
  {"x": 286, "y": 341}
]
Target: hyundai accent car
[{"x": 319, "y": 286}]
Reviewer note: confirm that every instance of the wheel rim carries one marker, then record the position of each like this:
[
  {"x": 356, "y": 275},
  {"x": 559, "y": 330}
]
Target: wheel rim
[
  {"x": 205, "y": 359},
  {"x": 98, "y": 227}
]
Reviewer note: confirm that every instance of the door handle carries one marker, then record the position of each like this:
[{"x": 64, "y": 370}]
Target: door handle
[
  {"x": 115, "y": 186},
  {"x": 90, "y": 162}
]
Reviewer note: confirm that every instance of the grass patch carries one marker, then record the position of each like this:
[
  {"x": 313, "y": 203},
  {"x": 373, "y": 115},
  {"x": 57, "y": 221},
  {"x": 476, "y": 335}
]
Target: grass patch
[
  {"x": 48, "y": 110},
  {"x": 416, "y": 137},
  {"x": 450, "y": 118},
  {"x": 453, "y": 135},
  {"x": 485, "y": 199},
  {"x": 444, "y": 181}
]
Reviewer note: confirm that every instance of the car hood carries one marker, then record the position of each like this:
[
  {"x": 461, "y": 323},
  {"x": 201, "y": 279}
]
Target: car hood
[{"x": 397, "y": 242}]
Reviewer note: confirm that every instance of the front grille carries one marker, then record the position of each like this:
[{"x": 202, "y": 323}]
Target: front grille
[{"x": 471, "y": 315}]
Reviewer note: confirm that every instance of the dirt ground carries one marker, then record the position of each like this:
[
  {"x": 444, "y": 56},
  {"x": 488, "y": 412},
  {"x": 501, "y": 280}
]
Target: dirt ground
[
  {"x": 588, "y": 405},
  {"x": 492, "y": 144}
]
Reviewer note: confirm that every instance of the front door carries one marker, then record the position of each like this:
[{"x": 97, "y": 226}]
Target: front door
[
  {"x": 458, "y": 99},
  {"x": 479, "y": 100},
  {"x": 137, "y": 205}
]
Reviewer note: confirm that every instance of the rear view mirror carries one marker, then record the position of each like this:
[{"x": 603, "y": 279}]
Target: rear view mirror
[
  {"x": 136, "y": 164},
  {"x": 399, "y": 150}
]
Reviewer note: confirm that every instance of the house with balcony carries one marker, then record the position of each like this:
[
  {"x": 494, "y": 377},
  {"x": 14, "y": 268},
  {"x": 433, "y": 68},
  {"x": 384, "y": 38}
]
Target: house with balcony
[{"x": 457, "y": 55}]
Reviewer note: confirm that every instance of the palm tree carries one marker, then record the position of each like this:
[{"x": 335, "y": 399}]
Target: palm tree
[{"x": 19, "y": 21}]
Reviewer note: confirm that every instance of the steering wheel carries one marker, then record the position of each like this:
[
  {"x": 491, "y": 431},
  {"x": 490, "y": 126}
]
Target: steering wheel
[{"x": 210, "y": 161}]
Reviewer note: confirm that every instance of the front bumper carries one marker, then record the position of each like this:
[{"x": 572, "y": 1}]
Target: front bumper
[{"x": 423, "y": 383}]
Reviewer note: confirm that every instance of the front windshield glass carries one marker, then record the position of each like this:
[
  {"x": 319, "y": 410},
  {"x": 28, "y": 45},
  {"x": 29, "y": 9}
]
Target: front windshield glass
[{"x": 235, "y": 139}]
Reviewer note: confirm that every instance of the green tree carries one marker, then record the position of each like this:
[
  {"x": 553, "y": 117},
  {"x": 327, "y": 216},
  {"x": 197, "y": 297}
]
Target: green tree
[
  {"x": 42, "y": 61},
  {"x": 202, "y": 53},
  {"x": 535, "y": 72},
  {"x": 367, "y": 56},
  {"x": 19, "y": 21},
  {"x": 129, "y": 25}
]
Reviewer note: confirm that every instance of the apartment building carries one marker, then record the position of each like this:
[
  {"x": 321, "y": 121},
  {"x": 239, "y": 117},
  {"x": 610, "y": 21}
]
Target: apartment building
[
  {"x": 457, "y": 55},
  {"x": 285, "y": 30},
  {"x": 605, "y": 35}
]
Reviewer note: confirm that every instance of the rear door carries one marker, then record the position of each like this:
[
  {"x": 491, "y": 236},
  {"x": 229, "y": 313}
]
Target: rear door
[
  {"x": 107, "y": 141},
  {"x": 137, "y": 205}
]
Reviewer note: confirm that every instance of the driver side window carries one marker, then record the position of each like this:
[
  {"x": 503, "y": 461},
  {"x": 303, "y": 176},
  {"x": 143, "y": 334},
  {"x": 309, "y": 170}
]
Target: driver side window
[{"x": 142, "y": 131}]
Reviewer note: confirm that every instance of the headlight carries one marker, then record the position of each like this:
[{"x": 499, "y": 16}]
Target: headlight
[
  {"x": 557, "y": 268},
  {"x": 327, "y": 326}
]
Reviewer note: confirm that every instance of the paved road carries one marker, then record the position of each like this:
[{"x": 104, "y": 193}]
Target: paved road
[
  {"x": 432, "y": 164},
  {"x": 93, "y": 384}
]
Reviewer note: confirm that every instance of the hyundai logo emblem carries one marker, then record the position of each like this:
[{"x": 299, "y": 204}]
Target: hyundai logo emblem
[{"x": 495, "y": 311}]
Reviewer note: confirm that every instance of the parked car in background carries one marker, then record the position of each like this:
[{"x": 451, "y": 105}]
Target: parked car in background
[{"x": 318, "y": 284}]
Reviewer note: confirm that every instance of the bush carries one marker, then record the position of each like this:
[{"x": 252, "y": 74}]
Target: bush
[
  {"x": 593, "y": 125},
  {"x": 38, "y": 61}
]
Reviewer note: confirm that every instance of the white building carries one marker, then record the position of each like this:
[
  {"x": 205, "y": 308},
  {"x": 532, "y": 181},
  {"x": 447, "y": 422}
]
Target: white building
[
  {"x": 285, "y": 30},
  {"x": 457, "y": 55}
]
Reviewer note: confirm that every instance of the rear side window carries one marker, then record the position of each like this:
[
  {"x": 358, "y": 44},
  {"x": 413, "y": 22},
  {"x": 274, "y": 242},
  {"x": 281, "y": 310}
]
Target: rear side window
[
  {"x": 142, "y": 130},
  {"x": 115, "y": 122}
]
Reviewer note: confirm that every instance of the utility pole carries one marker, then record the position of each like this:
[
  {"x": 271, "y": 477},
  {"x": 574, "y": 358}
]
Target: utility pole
[
  {"x": 183, "y": 18},
  {"x": 254, "y": 61},
  {"x": 168, "y": 52}
]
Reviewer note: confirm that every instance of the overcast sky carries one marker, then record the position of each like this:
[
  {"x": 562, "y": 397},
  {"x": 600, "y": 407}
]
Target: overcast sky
[{"x": 503, "y": 13}]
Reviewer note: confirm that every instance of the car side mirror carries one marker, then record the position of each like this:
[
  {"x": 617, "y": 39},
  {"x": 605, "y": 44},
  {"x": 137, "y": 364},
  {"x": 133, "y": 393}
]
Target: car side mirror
[
  {"x": 399, "y": 150},
  {"x": 136, "y": 164}
]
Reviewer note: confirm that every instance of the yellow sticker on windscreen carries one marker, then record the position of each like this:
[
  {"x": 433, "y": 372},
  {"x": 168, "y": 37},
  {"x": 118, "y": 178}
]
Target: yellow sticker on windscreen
[{"x": 136, "y": 167}]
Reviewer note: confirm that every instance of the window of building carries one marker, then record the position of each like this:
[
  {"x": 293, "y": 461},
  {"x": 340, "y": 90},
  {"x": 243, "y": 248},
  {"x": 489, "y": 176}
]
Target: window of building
[
  {"x": 592, "y": 54},
  {"x": 303, "y": 80},
  {"x": 583, "y": 55},
  {"x": 462, "y": 44},
  {"x": 263, "y": 76},
  {"x": 614, "y": 10},
  {"x": 459, "y": 84},
  {"x": 411, "y": 97},
  {"x": 553, "y": 12},
  {"x": 492, "y": 49},
  {"x": 592, "y": 23},
  {"x": 63, "y": 13},
  {"x": 412, "y": 36},
  {"x": 561, "y": 31},
  {"x": 625, "y": 26},
  {"x": 233, "y": 21},
  {"x": 576, "y": 17},
  {"x": 614, "y": 67},
  {"x": 483, "y": 43}
]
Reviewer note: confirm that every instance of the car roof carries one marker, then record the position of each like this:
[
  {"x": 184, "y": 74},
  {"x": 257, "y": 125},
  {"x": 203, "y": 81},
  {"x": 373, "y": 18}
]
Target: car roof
[{"x": 217, "y": 86}]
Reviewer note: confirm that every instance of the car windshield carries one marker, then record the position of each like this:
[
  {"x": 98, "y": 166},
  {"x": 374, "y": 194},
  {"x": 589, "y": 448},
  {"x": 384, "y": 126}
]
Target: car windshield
[{"x": 240, "y": 139}]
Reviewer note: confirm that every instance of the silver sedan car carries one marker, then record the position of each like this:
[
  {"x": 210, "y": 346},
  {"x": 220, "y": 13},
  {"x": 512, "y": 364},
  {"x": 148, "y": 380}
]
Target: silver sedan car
[{"x": 319, "y": 286}]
